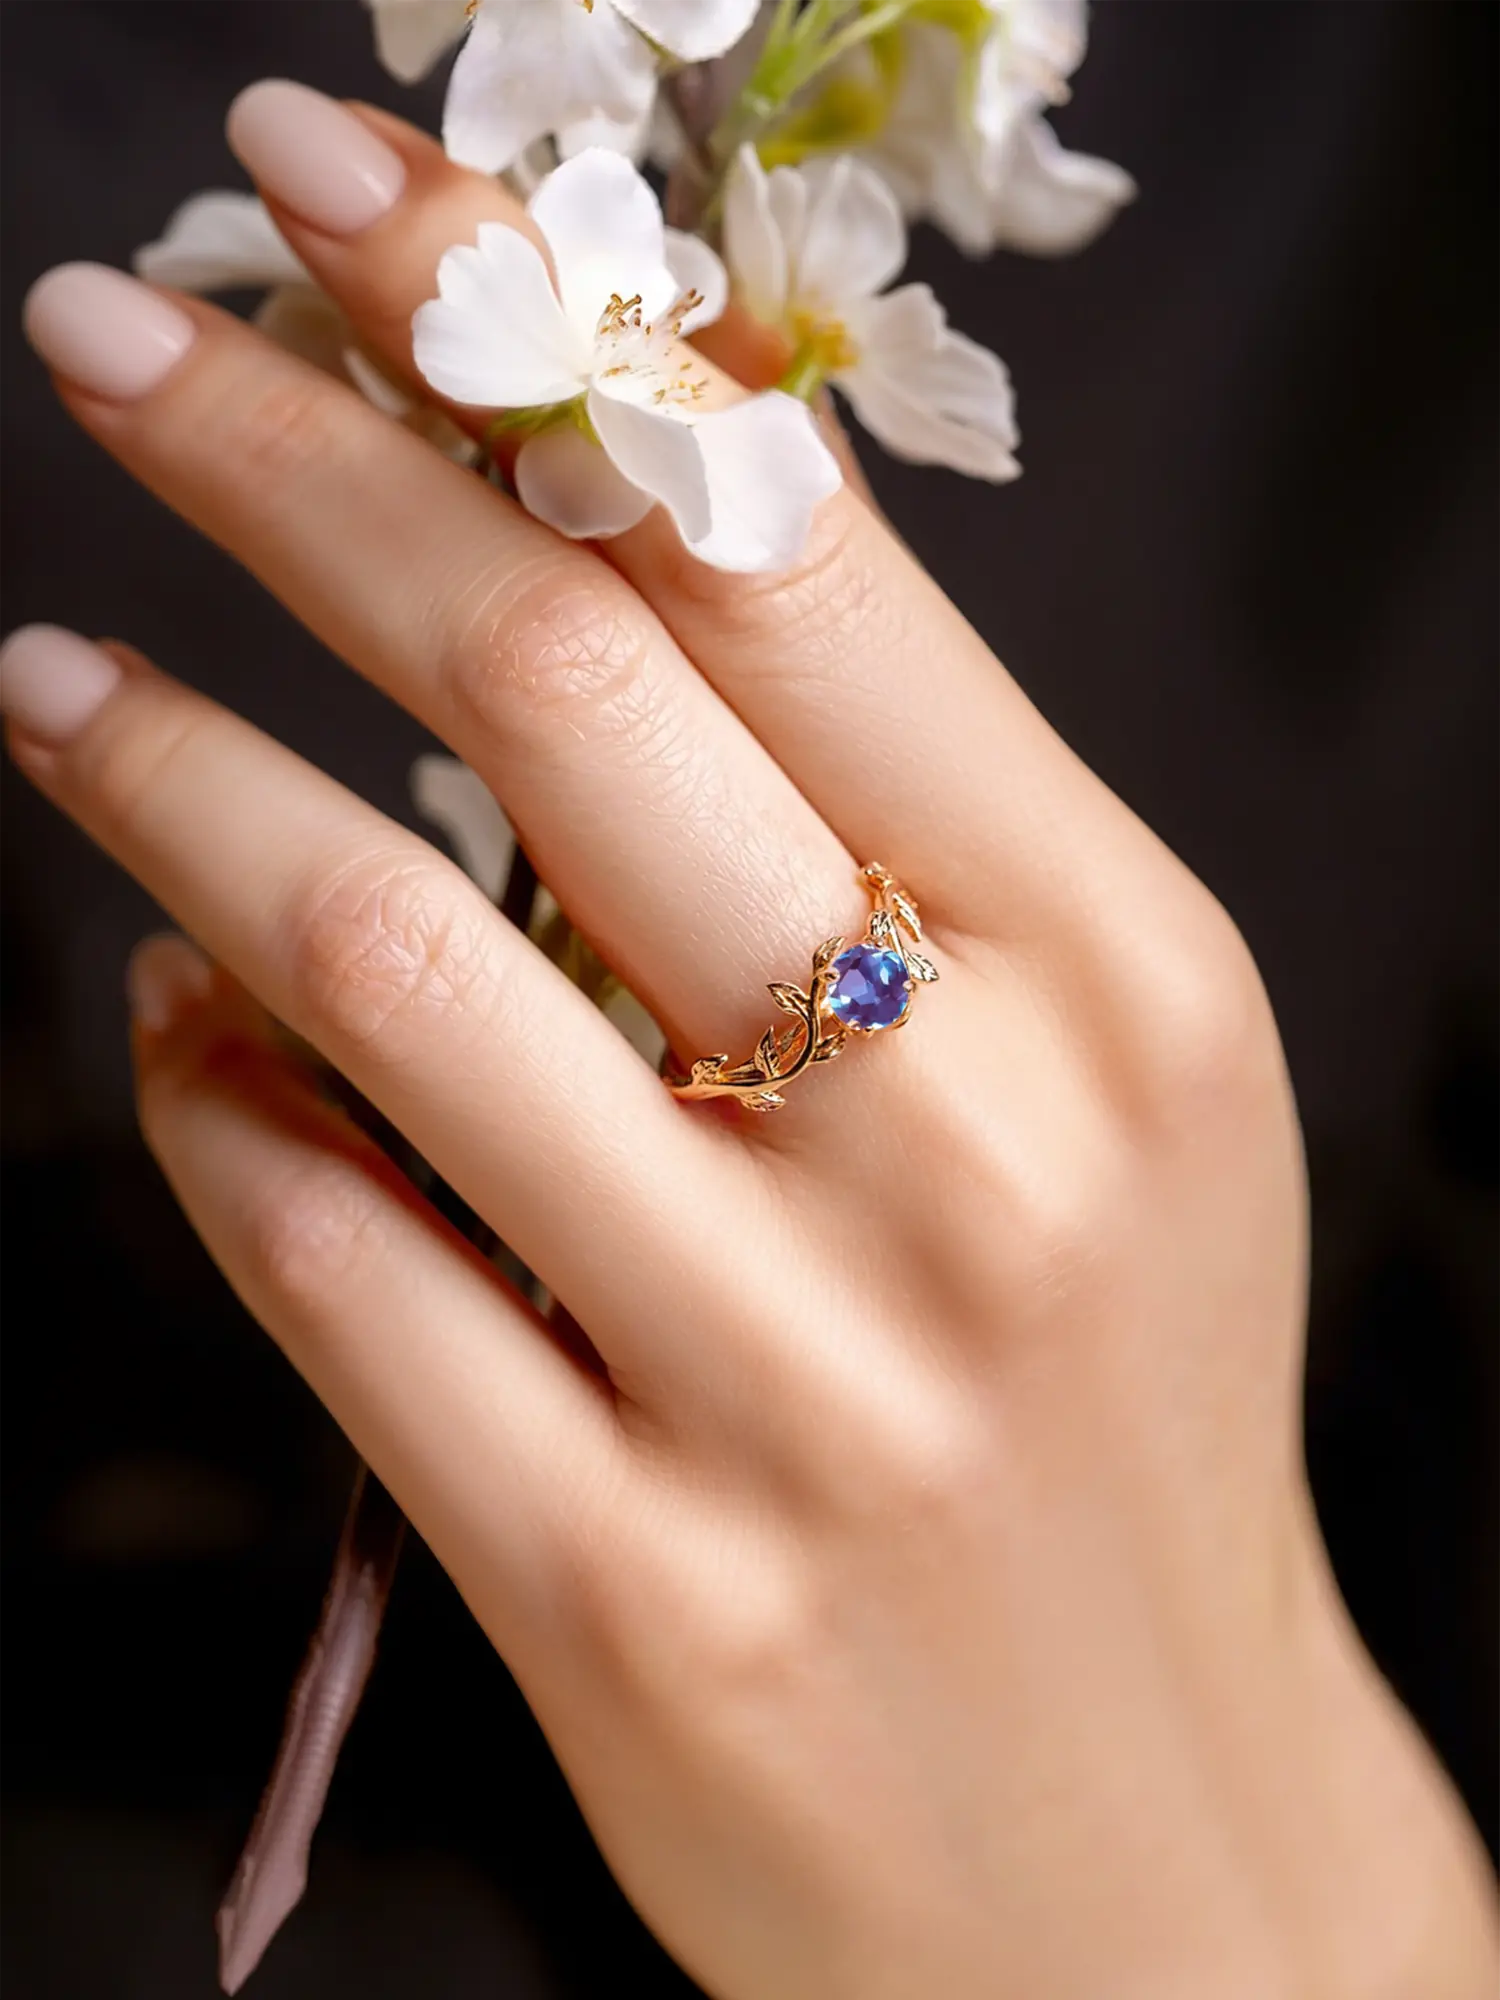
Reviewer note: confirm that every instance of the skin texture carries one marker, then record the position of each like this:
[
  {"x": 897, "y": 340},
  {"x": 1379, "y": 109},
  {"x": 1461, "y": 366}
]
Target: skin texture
[{"x": 917, "y": 1578}]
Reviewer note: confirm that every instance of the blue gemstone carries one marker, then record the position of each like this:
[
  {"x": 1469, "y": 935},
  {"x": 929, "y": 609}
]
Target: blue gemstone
[{"x": 870, "y": 987}]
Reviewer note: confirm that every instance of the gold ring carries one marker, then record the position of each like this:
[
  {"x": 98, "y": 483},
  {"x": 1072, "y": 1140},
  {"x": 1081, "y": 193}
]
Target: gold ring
[{"x": 862, "y": 991}]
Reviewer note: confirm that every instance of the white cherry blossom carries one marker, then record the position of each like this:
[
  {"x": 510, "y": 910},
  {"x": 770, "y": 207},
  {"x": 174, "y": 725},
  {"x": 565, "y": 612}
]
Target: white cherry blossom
[
  {"x": 224, "y": 241},
  {"x": 412, "y": 35},
  {"x": 811, "y": 250},
  {"x": 965, "y": 142},
  {"x": 616, "y": 413},
  {"x": 584, "y": 70}
]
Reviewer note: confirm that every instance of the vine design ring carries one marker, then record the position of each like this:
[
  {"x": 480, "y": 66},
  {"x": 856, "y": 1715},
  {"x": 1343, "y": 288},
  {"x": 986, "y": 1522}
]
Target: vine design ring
[{"x": 859, "y": 991}]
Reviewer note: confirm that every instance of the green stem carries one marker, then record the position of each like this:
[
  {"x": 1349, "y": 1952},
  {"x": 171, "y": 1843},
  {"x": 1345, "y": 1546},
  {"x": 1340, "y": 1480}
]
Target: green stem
[
  {"x": 806, "y": 375},
  {"x": 877, "y": 21},
  {"x": 799, "y": 46}
]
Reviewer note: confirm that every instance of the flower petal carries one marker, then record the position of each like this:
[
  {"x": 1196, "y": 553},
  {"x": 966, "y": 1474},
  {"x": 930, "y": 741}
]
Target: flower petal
[
  {"x": 1001, "y": 94},
  {"x": 656, "y": 452},
  {"x": 931, "y": 396},
  {"x": 1046, "y": 38},
  {"x": 926, "y": 139},
  {"x": 1052, "y": 201},
  {"x": 392, "y": 399},
  {"x": 786, "y": 196},
  {"x": 854, "y": 241},
  {"x": 568, "y": 481},
  {"x": 767, "y": 468},
  {"x": 306, "y": 322},
  {"x": 753, "y": 243},
  {"x": 695, "y": 268},
  {"x": 220, "y": 241},
  {"x": 495, "y": 337},
  {"x": 376, "y": 386},
  {"x": 630, "y": 136},
  {"x": 604, "y": 229},
  {"x": 410, "y": 35},
  {"x": 693, "y": 30},
  {"x": 529, "y": 70}
]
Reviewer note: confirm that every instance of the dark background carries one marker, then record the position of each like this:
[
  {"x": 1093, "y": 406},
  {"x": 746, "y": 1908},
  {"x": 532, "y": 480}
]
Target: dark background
[{"x": 1250, "y": 573}]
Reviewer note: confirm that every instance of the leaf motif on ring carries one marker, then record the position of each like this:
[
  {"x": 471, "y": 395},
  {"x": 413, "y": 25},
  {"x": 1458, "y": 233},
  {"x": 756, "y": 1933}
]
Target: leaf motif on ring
[
  {"x": 818, "y": 1033},
  {"x": 790, "y": 999}
]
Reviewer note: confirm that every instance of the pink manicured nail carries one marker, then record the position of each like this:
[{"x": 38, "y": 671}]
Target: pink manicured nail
[
  {"x": 51, "y": 681},
  {"x": 166, "y": 977},
  {"x": 107, "y": 332},
  {"x": 313, "y": 156}
]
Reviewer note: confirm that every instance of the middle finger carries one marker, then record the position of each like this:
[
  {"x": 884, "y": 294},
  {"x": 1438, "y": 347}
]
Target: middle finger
[
  {"x": 671, "y": 837},
  {"x": 853, "y": 668}
]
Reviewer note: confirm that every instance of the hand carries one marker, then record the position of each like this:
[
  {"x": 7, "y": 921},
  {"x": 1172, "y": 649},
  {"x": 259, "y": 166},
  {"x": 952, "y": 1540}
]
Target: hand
[{"x": 914, "y": 1570}]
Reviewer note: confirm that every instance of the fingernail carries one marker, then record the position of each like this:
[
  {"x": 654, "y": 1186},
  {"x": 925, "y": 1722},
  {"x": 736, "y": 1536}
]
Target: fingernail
[
  {"x": 166, "y": 977},
  {"x": 105, "y": 331},
  {"x": 313, "y": 156},
  {"x": 51, "y": 681}
]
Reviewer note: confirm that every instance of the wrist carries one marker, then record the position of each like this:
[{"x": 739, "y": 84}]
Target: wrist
[{"x": 1380, "y": 1880}]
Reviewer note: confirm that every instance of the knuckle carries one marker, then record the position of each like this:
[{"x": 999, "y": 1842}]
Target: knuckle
[
  {"x": 827, "y": 598},
  {"x": 128, "y": 758},
  {"x": 711, "y": 1609},
  {"x": 1211, "y": 1030},
  {"x": 307, "y": 1230},
  {"x": 817, "y": 610},
  {"x": 187, "y": 1064},
  {"x": 754, "y": 1635},
  {"x": 1038, "y": 1200},
  {"x": 387, "y": 948},
  {"x": 1064, "y": 1221},
  {"x": 924, "y": 1459},
  {"x": 557, "y": 658},
  {"x": 295, "y": 420}
]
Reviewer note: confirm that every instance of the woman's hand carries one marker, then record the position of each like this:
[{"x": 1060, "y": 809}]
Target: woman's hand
[{"x": 916, "y": 1577}]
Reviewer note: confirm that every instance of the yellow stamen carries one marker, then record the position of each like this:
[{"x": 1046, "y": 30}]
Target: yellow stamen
[
  {"x": 826, "y": 341},
  {"x": 619, "y": 316}
]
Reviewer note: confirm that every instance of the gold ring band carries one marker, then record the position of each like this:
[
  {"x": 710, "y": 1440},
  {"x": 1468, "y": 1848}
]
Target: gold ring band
[{"x": 865, "y": 989}]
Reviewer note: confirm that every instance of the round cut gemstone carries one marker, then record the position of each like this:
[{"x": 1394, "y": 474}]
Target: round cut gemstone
[{"x": 870, "y": 987}]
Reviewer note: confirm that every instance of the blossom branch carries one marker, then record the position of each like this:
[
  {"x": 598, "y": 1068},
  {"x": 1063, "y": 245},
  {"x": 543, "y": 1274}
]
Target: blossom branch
[{"x": 801, "y": 45}]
